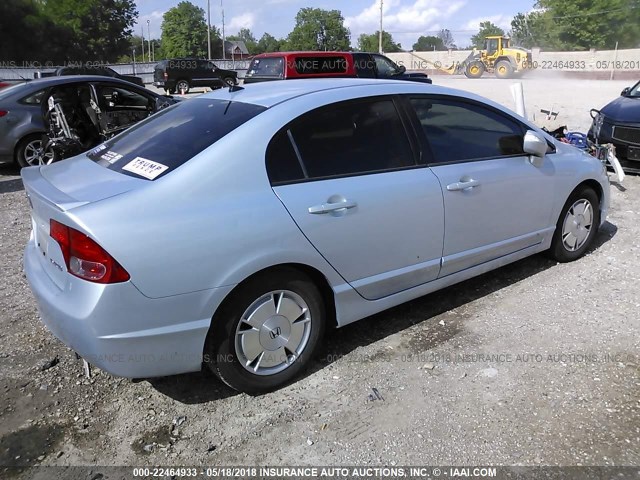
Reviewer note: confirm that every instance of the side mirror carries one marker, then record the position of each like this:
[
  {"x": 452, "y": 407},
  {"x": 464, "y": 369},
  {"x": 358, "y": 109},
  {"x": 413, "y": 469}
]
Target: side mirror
[
  {"x": 163, "y": 102},
  {"x": 401, "y": 69},
  {"x": 536, "y": 146},
  {"x": 625, "y": 92}
]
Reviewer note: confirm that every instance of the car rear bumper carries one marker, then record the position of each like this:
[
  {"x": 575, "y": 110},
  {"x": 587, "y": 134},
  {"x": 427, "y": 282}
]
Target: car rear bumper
[{"x": 119, "y": 330}]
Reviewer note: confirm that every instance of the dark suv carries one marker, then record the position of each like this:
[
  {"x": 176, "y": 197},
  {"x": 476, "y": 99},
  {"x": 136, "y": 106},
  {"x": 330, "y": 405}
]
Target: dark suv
[{"x": 180, "y": 74}]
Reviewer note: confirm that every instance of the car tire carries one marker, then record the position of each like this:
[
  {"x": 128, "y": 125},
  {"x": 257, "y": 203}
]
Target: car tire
[
  {"x": 183, "y": 86},
  {"x": 474, "y": 69},
  {"x": 503, "y": 69},
  {"x": 229, "y": 81},
  {"x": 287, "y": 316},
  {"x": 577, "y": 225},
  {"x": 29, "y": 151}
]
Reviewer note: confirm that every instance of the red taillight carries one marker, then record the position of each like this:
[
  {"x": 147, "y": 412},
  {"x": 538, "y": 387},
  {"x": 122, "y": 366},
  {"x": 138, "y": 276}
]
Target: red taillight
[
  {"x": 60, "y": 233},
  {"x": 84, "y": 257},
  {"x": 166, "y": 76},
  {"x": 3, "y": 113}
]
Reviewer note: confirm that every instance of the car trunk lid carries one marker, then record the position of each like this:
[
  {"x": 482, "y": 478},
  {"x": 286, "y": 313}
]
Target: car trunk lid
[
  {"x": 54, "y": 191},
  {"x": 78, "y": 181}
]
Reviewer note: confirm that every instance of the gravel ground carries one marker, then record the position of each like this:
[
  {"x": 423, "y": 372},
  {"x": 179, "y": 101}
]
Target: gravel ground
[{"x": 537, "y": 363}]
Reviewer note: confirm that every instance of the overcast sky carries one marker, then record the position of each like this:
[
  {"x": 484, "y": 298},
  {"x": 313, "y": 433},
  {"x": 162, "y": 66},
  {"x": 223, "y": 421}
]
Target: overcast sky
[{"x": 405, "y": 19}]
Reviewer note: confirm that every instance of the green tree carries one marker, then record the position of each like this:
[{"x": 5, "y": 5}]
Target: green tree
[
  {"x": 318, "y": 29},
  {"x": 447, "y": 39},
  {"x": 594, "y": 24},
  {"x": 23, "y": 22},
  {"x": 486, "y": 29},
  {"x": 135, "y": 42},
  {"x": 534, "y": 29},
  {"x": 268, "y": 43},
  {"x": 216, "y": 43},
  {"x": 429, "y": 42},
  {"x": 245, "y": 35},
  {"x": 95, "y": 30},
  {"x": 184, "y": 32},
  {"x": 371, "y": 43}
]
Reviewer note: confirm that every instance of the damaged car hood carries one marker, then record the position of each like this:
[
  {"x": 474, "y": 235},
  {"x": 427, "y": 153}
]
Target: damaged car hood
[{"x": 623, "y": 109}]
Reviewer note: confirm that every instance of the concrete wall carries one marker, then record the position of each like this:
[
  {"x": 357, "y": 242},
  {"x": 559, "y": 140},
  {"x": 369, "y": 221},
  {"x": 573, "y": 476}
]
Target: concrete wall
[{"x": 592, "y": 64}]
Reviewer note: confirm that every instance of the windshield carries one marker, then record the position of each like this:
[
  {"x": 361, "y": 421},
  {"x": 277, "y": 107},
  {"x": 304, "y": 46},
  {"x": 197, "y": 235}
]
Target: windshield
[
  {"x": 386, "y": 68},
  {"x": 635, "y": 91},
  {"x": 268, "y": 67},
  {"x": 172, "y": 137}
]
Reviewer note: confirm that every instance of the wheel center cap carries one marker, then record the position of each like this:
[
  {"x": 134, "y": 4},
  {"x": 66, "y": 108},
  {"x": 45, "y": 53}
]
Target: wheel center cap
[{"x": 275, "y": 333}]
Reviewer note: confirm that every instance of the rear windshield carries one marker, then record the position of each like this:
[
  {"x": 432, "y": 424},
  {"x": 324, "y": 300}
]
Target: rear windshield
[
  {"x": 266, "y": 67},
  {"x": 173, "y": 136},
  {"x": 320, "y": 65}
]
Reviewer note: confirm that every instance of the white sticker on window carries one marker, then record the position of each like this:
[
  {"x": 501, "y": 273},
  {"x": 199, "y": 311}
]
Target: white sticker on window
[
  {"x": 111, "y": 157},
  {"x": 98, "y": 149},
  {"x": 145, "y": 168}
]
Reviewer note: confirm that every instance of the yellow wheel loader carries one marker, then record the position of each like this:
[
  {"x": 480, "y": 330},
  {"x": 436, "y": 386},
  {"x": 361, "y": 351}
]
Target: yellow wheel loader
[{"x": 498, "y": 58}]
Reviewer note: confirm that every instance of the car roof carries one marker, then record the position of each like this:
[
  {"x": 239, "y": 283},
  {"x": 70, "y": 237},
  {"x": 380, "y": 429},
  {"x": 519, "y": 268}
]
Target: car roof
[
  {"x": 62, "y": 79},
  {"x": 268, "y": 94},
  {"x": 81, "y": 78},
  {"x": 32, "y": 86}
]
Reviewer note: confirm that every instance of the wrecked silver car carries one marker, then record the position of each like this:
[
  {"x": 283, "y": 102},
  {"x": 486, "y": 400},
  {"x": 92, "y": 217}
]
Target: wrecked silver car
[{"x": 54, "y": 118}]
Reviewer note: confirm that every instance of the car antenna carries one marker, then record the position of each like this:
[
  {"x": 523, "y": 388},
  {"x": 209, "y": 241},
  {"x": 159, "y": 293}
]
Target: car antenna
[
  {"x": 235, "y": 88},
  {"x": 18, "y": 73}
]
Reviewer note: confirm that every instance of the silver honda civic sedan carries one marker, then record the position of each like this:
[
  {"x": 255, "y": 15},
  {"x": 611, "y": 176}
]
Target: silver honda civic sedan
[{"x": 233, "y": 229}]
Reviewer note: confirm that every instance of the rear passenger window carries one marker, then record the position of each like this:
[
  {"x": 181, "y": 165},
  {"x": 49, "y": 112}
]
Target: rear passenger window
[
  {"x": 352, "y": 138},
  {"x": 282, "y": 162},
  {"x": 34, "y": 98},
  {"x": 460, "y": 131}
]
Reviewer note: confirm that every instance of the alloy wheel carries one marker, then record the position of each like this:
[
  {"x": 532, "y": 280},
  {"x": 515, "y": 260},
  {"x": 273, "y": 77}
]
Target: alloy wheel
[{"x": 34, "y": 154}]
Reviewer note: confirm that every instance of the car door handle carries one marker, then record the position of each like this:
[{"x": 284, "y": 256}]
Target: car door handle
[
  {"x": 332, "y": 207},
  {"x": 462, "y": 185}
]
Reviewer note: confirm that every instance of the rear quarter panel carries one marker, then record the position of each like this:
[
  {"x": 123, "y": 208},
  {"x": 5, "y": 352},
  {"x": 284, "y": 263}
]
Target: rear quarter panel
[{"x": 23, "y": 120}]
